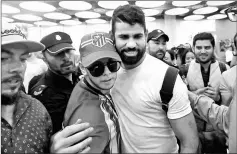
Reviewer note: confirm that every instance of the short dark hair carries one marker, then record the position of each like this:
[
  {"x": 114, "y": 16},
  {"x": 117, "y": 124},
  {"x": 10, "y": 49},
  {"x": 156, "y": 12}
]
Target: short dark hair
[
  {"x": 235, "y": 40},
  {"x": 204, "y": 36},
  {"x": 130, "y": 14}
]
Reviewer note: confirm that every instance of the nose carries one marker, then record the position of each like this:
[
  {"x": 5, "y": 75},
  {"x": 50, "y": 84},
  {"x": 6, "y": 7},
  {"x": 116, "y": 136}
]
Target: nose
[
  {"x": 131, "y": 43},
  {"x": 17, "y": 67},
  {"x": 161, "y": 47},
  {"x": 203, "y": 50},
  {"x": 106, "y": 71}
]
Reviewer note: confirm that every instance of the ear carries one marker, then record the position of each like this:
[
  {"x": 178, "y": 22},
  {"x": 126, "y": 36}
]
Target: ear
[{"x": 83, "y": 69}]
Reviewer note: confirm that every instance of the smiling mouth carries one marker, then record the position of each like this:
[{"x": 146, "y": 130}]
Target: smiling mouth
[{"x": 130, "y": 53}]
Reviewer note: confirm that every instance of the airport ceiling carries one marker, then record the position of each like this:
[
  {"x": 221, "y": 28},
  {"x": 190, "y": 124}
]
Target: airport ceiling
[{"x": 46, "y": 13}]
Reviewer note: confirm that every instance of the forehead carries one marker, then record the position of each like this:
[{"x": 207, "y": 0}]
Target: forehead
[
  {"x": 122, "y": 28},
  {"x": 203, "y": 43},
  {"x": 16, "y": 49}
]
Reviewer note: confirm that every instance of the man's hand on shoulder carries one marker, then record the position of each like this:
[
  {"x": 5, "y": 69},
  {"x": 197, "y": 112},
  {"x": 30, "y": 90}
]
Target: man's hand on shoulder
[{"x": 72, "y": 139}]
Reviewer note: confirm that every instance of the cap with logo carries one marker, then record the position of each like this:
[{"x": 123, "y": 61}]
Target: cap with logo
[
  {"x": 11, "y": 35},
  {"x": 96, "y": 46},
  {"x": 155, "y": 34},
  {"x": 57, "y": 42}
]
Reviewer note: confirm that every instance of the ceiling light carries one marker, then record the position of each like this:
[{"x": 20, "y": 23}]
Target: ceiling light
[
  {"x": 23, "y": 24},
  {"x": 217, "y": 16},
  {"x": 109, "y": 13},
  {"x": 111, "y": 4},
  {"x": 70, "y": 22},
  {"x": 9, "y": 9},
  {"x": 185, "y": 3},
  {"x": 75, "y": 5},
  {"x": 176, "y": 11},
  {"x": 218, "y": 3},
  {"x": 95, "y": 21},
  {"x": 87, "y": 14},
  {"x": 205, "y": 10},
  {"x": 45, "y": 23},
  {"x": 148, "y": 19},
  {"x": 57, "y": 16},
  {"x": 5, "y": 19},
  {"x": 151, "y": 12},
  {"x": 149, "y": 4},
  {"x": 194, "y": 17},
  {"x": 37, "y": 6},
  {"x": 27, "y": 17}
]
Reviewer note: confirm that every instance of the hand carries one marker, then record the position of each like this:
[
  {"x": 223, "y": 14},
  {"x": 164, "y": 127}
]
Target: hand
[
  {"x": 212, "y": 93},
  {"x": 72, "y": 139},
  {"x": 200, "y": 91},
  {"x": 192, "y": 97}
]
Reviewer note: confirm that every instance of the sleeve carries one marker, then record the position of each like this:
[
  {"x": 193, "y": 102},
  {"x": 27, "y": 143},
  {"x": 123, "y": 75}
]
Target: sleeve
[
  {"x": 89, "y": 111},
  {"x": 179, "y": 105},
  {"x": 225, "y": 91},
  {"x": 214, "y": 114}
]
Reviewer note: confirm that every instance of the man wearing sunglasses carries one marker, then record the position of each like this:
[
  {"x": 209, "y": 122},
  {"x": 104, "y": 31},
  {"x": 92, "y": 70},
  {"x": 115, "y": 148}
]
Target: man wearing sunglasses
[{"x": 90, "y": 100}]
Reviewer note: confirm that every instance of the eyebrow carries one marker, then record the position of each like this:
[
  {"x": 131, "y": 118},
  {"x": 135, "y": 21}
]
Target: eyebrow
[{"x": 10, "y": 53}]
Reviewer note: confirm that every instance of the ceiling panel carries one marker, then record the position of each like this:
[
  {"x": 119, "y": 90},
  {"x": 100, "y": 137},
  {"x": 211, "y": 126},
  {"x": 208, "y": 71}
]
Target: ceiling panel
[{"x": 95, "y": 7}]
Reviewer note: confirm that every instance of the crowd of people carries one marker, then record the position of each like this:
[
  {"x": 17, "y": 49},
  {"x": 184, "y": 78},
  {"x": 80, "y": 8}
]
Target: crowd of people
[{"x": 111, "y": 102}]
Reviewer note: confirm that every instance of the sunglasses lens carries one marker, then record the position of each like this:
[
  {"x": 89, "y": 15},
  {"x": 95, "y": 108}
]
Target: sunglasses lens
[
  {"x": 113, "y": 66},
  {"x": 97, "y": 69}
]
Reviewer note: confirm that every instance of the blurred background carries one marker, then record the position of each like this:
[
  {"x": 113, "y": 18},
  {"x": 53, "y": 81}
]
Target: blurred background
[{"x": 180, "y": 20}]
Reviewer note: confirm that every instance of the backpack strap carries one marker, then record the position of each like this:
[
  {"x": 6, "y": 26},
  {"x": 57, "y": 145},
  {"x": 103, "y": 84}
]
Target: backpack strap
[
  {"x": 166, "y": 92},
  {"x": 222, "y": 67}
]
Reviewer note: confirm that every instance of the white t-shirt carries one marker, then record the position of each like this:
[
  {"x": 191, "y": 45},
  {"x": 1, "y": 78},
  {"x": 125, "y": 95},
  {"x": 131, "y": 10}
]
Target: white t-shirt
[{"x": 144, "y": 124}]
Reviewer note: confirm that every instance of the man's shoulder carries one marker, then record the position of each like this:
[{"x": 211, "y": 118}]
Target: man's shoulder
[{"x": 33, "y": 102}]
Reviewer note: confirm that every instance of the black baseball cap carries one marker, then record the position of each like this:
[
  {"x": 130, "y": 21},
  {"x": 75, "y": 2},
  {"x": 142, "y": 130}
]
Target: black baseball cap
[
  {"x": 57, "y": 42},
  {"x": 155, "y": 34}
]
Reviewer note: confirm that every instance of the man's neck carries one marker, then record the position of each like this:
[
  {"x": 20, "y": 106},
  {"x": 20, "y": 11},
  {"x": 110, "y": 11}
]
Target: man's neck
[
  {"x": 206, "y": 65},
  {"x": 127, "y": 67},
  {"x": 67, "y": 76},
  {"x": 7, "y": 112}
]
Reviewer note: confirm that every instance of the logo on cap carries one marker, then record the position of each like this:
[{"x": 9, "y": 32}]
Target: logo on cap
[
  {"x": 58, "y": 37},
  {"x": 98, "y": 40},
  {"x": 159, "y": 31}
]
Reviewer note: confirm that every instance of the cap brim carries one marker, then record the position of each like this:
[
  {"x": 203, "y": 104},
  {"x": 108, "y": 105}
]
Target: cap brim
[
  {"x": 32, "y": 46},
  {"x": 56, "y": 49},
  {"x": 91, "y": 58},
  {"x": 166, "y": 37}
]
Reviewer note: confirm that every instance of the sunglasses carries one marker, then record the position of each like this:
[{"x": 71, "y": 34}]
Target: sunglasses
[{"x": 97, "y": 68}]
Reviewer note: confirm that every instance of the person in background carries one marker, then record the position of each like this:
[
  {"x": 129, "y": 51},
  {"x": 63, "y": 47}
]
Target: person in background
[
  {"x": 228, "y": 79},
  {"x": 188, "y": 56},
  {"x": 222, "y": 118},
  {"x": 137, "y": 99},
  {"x": 53, "y": 88},
  {"x": 90, "y": 100},
  {"x": 203, "y": 77},
  {"x": 234, "y": 52},
  {"x": 26, "y": 126},
  {"x": 170, "y": 57},
  {"x": 156, "y": 42},
  {"x": 34, "y": 67}
]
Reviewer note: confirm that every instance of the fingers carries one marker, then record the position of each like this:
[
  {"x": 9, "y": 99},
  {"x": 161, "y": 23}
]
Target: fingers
[
  {"x": 86, "y": 150},
  {"x": 80, "y": 147},
  {"x": 72, "y": 129},
  {"x": 77, "y": 137}
]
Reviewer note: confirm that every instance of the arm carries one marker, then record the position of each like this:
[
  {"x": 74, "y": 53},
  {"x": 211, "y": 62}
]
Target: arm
[
  {"x": 72, "y": 139},
  {"x": 225, "y": 91},
  {"x": 210, "y": 112},
  {"x": 90, "y": 112},
  {"x": 186, "y": 130},
  {"x": 182, "y": 120}
]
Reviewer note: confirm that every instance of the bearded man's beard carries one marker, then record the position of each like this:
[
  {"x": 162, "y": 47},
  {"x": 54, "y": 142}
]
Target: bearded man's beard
[
  {"x": 9, "y": 100},
  {"x": 131, "y": 60}
]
